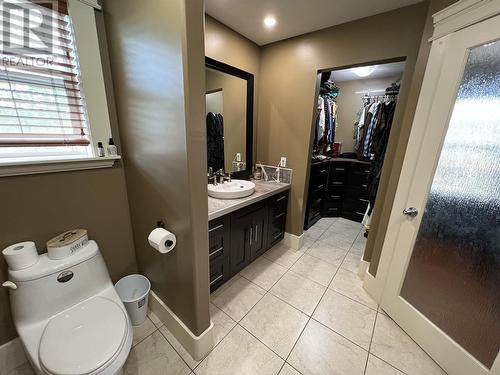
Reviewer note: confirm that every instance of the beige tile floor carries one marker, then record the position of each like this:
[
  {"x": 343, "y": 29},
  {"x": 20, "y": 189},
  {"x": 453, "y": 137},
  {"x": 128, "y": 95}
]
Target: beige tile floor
[{"x": 290, "y": 313}]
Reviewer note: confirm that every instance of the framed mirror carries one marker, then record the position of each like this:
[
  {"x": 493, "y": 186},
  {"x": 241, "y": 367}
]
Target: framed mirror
[{"x": 229, "y": 116}]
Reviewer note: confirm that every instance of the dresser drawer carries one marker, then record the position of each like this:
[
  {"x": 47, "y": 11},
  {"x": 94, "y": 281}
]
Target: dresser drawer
[
  {"x": 356, "y": 193},
  {"x": 219, "y": 273},
  {"x": 335, "y": 194},
  {"x": 358, "y": 179},
  {"x": 353, "y": 215},
  {"x": 360, "y": 167},
  {"x": 319, "y": 170},
  {"x": 358, "y": 204},
  {"x": 332, "y": 210}
]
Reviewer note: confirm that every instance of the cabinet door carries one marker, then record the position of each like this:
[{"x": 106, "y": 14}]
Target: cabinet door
[
  {"x": 258, "y": 230},
  {"x": 240, "y": 242}
]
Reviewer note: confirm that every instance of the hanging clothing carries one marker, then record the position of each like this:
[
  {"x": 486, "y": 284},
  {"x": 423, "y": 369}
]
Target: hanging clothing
[
  {"x": 374, "y": 121},
  {"x": 215, "y": 141},
  {"x": 322, "y": 116},
  {"x": 379, "y": 147},
  {"x": 359, "y": 129}
]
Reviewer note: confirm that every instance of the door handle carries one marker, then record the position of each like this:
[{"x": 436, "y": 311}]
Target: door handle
[
  {"x": 250, "y": 237},
  {"x": 410, "y": 211}
]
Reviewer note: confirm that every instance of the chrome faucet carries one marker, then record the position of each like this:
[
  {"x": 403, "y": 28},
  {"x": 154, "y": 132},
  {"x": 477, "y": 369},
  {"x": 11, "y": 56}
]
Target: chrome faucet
[{"x": 212, "y": 176}]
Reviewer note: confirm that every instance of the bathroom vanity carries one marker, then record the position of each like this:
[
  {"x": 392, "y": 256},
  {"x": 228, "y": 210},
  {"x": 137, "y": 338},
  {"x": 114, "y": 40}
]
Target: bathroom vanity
[{"x": 241, "y": 230}]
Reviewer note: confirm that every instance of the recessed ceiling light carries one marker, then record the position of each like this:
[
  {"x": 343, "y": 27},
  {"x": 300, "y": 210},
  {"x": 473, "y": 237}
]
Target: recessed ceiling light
[
  {"x": 269, "y": 22},
  {"x": 363, "y": 71}
]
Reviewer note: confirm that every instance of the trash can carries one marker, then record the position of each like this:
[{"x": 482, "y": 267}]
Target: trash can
[{"x": 133, "y": 290}]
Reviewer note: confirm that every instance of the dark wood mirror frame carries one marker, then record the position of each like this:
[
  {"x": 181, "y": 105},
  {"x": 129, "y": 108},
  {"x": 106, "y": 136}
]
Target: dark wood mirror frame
[{"x": 228, "y": 69}]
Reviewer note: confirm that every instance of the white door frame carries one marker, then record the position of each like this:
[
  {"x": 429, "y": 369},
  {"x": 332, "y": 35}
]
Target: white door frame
[{"x": 461, "y": 15}]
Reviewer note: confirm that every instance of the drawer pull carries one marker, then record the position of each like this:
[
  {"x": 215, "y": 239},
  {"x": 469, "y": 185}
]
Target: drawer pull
[
  {"x": 322, "y": 171},
  {"x": 360, "y": 213},
  {"x": 334, "y": 196},
  {"x": 281, "y": 198},
  {"x": 279, "y": 215},
  {"x": 364, "y": 200},
  {"x": 338, "y": 183},
  {"x": 367, "y": 171},
  {"x": 216, "y": 279},
  {"x": 321, "y": 186},
  {"x": 216, "y": 251},
  {"x": 364, "y": 185},
  {"x": 333, "y": 209},
  {"x": 339, "y": 169},
  {"x": 277, "y": 235},
  {"x": 217, "y": 227},
  {"x": 318, "y": 200}
]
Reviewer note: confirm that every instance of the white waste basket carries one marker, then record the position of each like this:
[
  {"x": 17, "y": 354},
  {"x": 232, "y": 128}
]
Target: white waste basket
[{"x": 133, "y": 290}]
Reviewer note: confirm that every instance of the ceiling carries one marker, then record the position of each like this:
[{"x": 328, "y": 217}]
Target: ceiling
[
  {"x": 380, "y": 71},
  {"x": 294, "y": 17}
]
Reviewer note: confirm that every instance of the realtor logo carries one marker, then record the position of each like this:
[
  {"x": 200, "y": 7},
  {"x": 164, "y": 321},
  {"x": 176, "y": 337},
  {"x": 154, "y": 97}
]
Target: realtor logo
[{"x": 28, "y": 27}]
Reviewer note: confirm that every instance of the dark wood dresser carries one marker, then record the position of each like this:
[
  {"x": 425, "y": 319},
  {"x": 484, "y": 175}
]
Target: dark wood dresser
[{"x": 337, "y": 188}]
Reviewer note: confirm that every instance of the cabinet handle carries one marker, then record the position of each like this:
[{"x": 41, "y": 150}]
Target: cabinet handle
[
  {"x": 360, "y": 213},
  {"x": 215, "y": 228},
  {"x": 321, "y": 186},
  {"x": 364, "y": 200},
  {"x": 215, "y": 251},
  {"x": 332, "y": 209},
  {"x": 367, "y": 171},
  {"x": 281, "y": 198},
  {"x": 216, "y": 279},
  {"x": 250, "y": 237},
  {"x": 339, "y": 169},
  {"x": 364, "y": 185},
  {"x": 256, "y": 233},
  {"x": 280, "y": 215},
  {"x": 338, "y": 183},
  {"x": 322, "y": 171},
  {"x": 334, "y": 196},
  {"x": 318, "y": 200}
]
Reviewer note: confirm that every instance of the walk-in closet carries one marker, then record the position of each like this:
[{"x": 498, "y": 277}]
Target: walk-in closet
[{"x": 352, "y": 124}]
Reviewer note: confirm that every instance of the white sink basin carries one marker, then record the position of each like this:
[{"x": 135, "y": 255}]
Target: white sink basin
[{"x": 231, "y": 190}]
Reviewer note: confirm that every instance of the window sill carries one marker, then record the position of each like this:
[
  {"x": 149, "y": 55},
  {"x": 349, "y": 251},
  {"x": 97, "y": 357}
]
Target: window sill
[{"x": 17, "y": 168}]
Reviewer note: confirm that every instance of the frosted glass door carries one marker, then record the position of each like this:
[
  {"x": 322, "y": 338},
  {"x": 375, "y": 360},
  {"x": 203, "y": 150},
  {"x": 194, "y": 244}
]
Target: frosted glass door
[{"x": 453, "y": 276}]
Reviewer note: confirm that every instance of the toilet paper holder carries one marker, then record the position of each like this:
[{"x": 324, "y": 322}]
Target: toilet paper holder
[{"x": 161, "y": 224}]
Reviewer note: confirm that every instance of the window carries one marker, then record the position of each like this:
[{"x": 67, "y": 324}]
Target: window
[{"x": 42, "y": 108}]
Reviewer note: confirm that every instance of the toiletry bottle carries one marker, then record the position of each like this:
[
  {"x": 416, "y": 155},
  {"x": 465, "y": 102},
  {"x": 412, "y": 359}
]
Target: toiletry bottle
[
  {"x": 100, "y": 149},
  {"x": 112, "y": 150}
]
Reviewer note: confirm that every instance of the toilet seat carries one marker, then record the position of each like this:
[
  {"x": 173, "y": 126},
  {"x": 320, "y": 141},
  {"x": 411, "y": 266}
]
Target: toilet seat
[{"x": 84, "y": 339}]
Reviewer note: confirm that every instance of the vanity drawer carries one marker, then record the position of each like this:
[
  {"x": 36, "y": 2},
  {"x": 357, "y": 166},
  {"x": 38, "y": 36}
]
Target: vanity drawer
[
  {"x": 218, "y": 238},
  {"x": 276, "y": 230},
  {"x": 219, "y": 273},
  {"x": 278, "y": 204}
]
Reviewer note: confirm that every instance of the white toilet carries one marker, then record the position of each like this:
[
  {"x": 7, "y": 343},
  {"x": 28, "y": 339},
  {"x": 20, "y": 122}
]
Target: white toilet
[{"x": 69, "y": 316}]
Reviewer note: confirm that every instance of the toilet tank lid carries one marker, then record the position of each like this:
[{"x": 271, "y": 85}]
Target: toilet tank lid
[{"x": 46, "y": 266}]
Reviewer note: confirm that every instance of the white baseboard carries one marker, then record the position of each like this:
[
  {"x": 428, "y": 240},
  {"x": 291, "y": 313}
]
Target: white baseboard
[
  {"x": 11, "y": 355},
  {"x": 197, "y": 346},
  {"x": 371, "y": 285},
  {"x": 293, "y": 241},
  {"x": 363, "y": 268}
]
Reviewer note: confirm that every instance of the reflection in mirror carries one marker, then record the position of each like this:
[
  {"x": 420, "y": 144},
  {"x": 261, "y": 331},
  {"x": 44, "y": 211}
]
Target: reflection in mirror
[{"x": 226, "y": 106}]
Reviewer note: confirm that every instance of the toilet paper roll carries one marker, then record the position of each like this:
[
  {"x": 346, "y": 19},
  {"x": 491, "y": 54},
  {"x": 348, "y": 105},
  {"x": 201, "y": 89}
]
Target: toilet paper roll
[
  {"x": 21, "y": 255},
  {"x": 162, "y": 240}
]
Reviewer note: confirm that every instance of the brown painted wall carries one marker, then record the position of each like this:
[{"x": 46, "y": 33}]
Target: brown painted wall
[
  {"x": 161, "y": 111},
  {"x": 226, "y": 45},
  {"x": 397, "y": 147},
  {"x": 38, "y": 207},
  {"x": 288, "y": 84}
]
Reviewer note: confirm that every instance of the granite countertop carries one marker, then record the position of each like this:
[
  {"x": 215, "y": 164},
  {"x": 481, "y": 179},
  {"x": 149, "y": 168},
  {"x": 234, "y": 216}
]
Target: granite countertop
[{"x": 263, "y": 190}]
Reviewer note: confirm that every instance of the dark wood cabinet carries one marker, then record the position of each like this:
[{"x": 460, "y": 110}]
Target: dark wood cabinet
[
  {"x": 345, "y": 190},
  {"x": 238, "y": 238}
]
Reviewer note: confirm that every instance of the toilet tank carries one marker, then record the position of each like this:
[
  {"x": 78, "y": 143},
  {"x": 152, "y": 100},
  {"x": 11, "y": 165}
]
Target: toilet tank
[{"x": 50, "y": 286}]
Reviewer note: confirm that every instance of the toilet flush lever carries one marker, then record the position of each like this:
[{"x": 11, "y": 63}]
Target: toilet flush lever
[
  {"x": 10, "y": 285},
  {"x": 410, "y": 211}
]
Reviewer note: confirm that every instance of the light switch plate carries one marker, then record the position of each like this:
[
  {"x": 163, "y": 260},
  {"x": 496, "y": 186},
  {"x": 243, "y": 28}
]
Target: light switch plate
[
  {"x": 283, "y": 161},
  {"x": 238, "y": 156}
]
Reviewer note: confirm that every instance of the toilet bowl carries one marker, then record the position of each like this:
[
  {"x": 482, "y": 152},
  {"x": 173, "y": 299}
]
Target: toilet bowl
[{"x": 69, "y": 316}]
